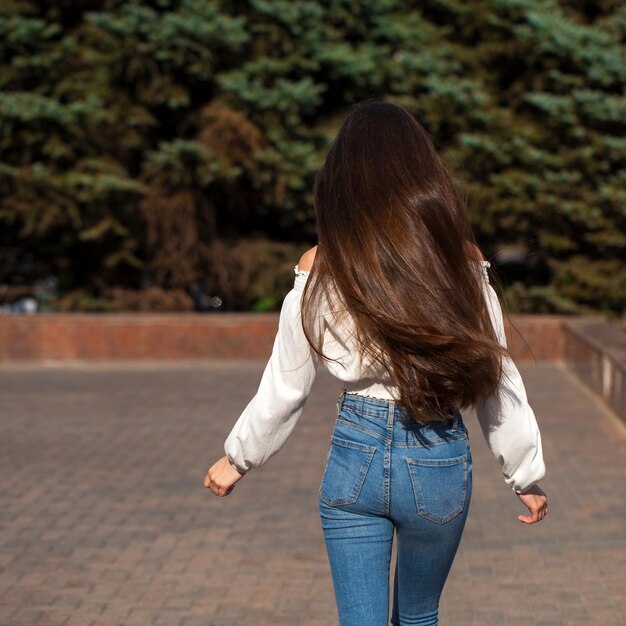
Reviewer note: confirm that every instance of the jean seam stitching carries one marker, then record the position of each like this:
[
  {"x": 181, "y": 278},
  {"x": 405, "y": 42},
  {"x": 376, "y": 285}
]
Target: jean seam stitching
[{"x": 362, "y": 428}]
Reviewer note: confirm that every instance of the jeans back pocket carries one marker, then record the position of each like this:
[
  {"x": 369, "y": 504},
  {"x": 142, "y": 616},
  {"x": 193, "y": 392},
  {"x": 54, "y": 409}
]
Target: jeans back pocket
[
  {"x": 346, "y": 466},
  {"x": 439, "y": 486}
]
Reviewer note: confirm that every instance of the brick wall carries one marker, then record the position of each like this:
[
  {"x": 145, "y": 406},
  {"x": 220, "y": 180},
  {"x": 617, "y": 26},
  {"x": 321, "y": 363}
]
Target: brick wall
[
  {"x": 137, "y": 336},
  {"x": 189, "y": 335}
]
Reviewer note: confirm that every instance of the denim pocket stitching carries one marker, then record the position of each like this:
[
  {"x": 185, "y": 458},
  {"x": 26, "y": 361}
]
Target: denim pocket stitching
[
  {"x": 458, "y": 460},
  {"x": 360, "y": 479},
  {"x": 348, "y": 443},
  {"x": 438, "y": 462}
]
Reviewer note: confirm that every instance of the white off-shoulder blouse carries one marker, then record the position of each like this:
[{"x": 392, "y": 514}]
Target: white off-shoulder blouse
[{"x": 506, "y": 419}]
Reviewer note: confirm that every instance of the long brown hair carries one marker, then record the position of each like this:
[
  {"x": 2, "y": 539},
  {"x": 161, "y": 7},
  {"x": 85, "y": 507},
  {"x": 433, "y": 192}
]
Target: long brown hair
[{"x": 397, "y": 252}]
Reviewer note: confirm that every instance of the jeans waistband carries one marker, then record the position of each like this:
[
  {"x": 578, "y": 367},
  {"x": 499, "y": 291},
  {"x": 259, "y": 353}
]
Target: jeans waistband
[{"x": 386, "y": 409}]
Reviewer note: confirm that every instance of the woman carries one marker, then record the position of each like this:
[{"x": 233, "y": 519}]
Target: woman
[{"x": 395, "y": 300}]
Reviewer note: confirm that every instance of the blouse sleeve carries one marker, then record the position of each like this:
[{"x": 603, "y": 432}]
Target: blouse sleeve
[
  {"x": 506, "y": 418},
  {"x": 271, "y": 415}
]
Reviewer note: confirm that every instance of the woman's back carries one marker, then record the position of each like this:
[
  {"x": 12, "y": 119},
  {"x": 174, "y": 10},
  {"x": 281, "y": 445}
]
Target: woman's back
[{"x": 359, "y": 374}]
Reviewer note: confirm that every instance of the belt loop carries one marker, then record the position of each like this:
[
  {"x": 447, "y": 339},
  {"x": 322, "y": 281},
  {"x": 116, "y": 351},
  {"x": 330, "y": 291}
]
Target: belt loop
[
  {"x": 390, "y": 414},
  {"x": 455, "y": 421},
  {"x": 340, "y": 400}
]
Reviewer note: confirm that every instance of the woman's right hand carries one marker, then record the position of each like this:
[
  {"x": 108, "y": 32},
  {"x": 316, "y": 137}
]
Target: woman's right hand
[{"x": 536, "y": 501}]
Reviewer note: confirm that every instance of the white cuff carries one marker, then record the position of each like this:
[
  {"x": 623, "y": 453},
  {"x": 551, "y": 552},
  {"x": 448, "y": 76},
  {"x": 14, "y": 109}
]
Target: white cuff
[{"x": 234, "y": 466}]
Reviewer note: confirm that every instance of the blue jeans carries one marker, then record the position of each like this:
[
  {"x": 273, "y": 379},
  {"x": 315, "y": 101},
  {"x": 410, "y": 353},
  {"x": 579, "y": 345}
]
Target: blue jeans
[{"x": 384, "y": 471}]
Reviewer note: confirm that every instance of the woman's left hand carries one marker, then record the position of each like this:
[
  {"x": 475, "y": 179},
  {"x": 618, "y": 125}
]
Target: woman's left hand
[{"x": 221, "y": 477}]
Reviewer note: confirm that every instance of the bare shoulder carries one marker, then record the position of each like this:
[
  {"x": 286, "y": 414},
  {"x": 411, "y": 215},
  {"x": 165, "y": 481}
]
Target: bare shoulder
[
  {"x": 474, "y": 252},
  {"x": 306, "y": 260}
]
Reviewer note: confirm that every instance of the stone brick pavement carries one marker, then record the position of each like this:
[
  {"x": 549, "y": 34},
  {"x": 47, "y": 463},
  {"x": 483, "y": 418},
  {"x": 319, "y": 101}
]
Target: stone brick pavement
[{"x": 104, "y": 519}]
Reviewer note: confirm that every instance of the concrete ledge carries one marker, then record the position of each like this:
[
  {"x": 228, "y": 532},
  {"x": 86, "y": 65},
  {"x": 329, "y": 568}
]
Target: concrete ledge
[{"x": 595, "y": 351}]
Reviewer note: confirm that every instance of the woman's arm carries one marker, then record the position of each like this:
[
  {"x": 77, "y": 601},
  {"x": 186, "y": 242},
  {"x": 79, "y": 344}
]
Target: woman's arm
[
  {"x": 271, "y": 415},
  {"x": 507, "y": 419}
]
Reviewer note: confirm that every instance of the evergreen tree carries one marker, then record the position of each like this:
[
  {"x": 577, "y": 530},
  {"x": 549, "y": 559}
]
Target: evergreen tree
[{"x": 168, "y": 141}]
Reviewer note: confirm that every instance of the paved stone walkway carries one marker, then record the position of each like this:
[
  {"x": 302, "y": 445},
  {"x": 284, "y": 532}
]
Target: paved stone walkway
[{"x": 104, "y": 519}]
